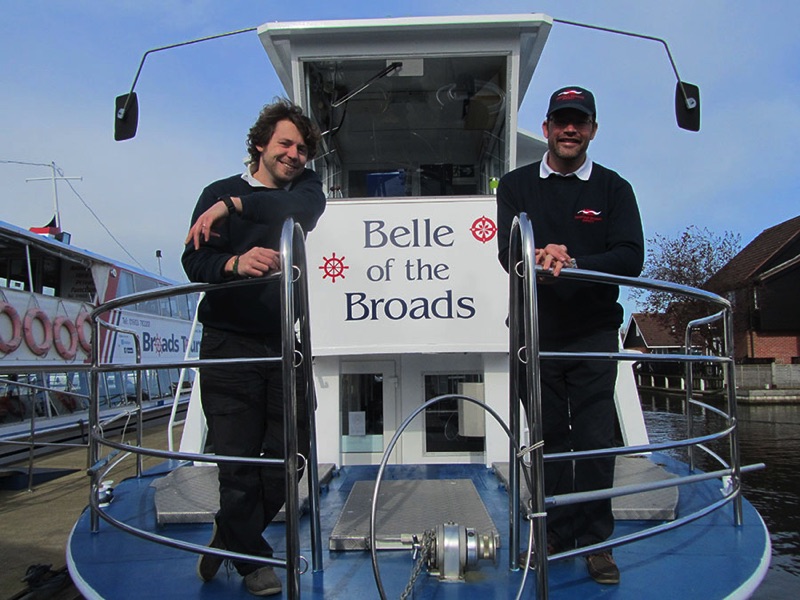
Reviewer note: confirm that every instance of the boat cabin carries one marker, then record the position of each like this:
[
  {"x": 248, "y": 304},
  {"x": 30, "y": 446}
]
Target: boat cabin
[{"x": 407, "y": 298}]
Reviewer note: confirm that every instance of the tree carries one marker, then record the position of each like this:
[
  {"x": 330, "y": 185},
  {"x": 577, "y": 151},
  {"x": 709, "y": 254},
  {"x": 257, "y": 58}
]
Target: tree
[{"x": 690, "y": 258}]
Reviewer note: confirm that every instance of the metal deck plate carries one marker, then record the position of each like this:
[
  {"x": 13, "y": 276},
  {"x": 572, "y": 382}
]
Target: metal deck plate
[
  {"x": 405, "y": 508},
  {"x": 190, "y": 494},
  {"x": 658, "y": 505}
]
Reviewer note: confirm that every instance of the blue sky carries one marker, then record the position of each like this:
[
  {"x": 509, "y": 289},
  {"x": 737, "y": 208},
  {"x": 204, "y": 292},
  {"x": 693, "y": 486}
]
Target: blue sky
[{"x": 63, "y": 63}]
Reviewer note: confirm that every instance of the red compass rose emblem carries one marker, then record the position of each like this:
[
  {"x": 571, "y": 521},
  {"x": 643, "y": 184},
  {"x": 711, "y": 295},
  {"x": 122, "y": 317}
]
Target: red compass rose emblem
[{"x": 483, "y": 229}]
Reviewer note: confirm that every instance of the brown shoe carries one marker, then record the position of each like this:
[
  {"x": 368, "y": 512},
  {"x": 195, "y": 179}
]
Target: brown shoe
[
  {"x": 263, "y": 582},
  {"x": 602, "y": 568},
  {"x": 209, "y": 564},
  {"x": 523, "y": 556}
]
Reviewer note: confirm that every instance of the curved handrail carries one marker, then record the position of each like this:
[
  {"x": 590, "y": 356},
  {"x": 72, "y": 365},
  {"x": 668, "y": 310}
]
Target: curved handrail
[
  {"x": 385, "y": 458},
  {"x": 522, "y": 283},
  {"x": 293, "y": 271},
  {"x": 521, "y": 244}
]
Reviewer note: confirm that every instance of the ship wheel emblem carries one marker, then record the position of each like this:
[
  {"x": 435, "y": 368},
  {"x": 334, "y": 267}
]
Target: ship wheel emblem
[
  {"x": 483, "y": 229},
  {"x": 333, "y": 267}
]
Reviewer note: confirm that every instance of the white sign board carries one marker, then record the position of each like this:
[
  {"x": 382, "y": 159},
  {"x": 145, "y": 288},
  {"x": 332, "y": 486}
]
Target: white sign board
[{"x": 407, "y": 275}]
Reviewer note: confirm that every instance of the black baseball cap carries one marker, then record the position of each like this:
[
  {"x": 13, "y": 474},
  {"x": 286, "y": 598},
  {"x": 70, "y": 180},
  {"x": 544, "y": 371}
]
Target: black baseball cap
[{"x": 572, "y": 97}]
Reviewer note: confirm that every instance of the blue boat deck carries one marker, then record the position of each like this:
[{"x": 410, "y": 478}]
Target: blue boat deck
[{"x": 708, "y": 558}]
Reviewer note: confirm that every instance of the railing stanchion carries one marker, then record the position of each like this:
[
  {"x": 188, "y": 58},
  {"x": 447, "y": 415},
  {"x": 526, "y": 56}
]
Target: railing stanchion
[
  {"x": 513, "y": 410},
  {"x": 94, "y": 422},
  {"x": 522, "y": 250},
  {"x": 310, "y": 407},
  {"x": 733, "y": 411},
  {"x": 290, "y": 410}
]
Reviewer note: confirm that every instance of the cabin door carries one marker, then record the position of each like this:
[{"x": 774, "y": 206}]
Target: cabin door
[{"x": 368, "y": 411}]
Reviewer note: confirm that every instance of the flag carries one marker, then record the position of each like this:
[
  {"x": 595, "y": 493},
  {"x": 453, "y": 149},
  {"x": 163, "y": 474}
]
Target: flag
[{"x": 50, "y": 229}]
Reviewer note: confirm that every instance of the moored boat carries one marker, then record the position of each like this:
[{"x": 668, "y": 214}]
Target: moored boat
[
  {"x": 48, "y": 291},
  {"x": 420, "y": 125}
]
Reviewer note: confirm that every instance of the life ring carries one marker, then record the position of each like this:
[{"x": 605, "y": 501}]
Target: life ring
[
  {"x": 8, "y": 346},
  {"x": 11, "y": 405},
  {"x": 84, "y": 340},
  {"x": 66, "y": 352},
  {"x": 38, "y": 348},
  {"x": 67, "y": 400}
]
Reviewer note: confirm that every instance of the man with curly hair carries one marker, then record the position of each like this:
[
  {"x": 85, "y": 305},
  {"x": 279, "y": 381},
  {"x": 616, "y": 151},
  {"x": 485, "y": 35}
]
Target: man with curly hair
[{"x": 235, "y": 233}]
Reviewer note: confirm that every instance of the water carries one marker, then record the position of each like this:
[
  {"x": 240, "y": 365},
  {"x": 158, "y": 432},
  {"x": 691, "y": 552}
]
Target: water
[{"x": 769, "y": 435}]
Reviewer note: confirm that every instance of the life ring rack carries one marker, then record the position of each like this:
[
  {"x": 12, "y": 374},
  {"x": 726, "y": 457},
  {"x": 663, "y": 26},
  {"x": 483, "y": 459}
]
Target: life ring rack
[
  {"x": 67, "y": 352},
  {"x": 38, "y": 348},
  {"x": 8, "y": 346}
]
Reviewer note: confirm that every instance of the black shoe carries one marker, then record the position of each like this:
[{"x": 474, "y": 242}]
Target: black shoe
[
  {"x": 263, "y": 582},
  {"x": 209, "y": 564},
  {"x": 602, "y": 568}
]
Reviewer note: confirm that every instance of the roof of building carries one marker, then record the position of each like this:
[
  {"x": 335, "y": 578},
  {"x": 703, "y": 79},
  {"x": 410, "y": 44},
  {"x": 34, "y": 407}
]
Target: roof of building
[
  {"x": 752, "y": 259},
  {"x": 654, "y": 332}
]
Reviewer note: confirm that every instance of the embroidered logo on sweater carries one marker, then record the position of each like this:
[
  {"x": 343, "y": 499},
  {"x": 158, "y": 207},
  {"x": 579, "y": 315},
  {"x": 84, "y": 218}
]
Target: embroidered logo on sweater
[{"x": 587, "y": 215}]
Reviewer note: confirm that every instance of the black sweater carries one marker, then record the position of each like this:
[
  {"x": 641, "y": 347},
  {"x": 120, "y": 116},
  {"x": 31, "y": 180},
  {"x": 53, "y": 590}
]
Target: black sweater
[
  {"x": 252, "y": 310},
  {"x": 599, "y": 223}
]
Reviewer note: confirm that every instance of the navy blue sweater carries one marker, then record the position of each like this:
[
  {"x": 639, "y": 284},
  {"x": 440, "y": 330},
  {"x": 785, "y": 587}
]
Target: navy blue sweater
[
  {"x": 599, "y": 223},
  {"x": 252, "y": 310}
]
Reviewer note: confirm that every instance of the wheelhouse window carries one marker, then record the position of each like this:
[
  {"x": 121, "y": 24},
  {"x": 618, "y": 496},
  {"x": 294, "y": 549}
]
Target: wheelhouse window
[{"x": 437, "y": 126}]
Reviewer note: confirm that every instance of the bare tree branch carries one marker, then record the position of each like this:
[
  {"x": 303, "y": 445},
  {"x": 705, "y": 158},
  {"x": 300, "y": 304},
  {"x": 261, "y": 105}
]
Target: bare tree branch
[{"x": 690, "y": 258}]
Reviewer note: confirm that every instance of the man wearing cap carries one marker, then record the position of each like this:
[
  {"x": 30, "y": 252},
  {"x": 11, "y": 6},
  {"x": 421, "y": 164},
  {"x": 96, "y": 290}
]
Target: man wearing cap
[{"x": 584, "y": 216}]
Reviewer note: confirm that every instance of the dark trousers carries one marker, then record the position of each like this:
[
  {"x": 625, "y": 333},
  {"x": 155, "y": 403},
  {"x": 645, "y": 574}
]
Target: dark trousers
[
  {"x": 244, "y": 407},
  {"x": 578, "y": 413}
]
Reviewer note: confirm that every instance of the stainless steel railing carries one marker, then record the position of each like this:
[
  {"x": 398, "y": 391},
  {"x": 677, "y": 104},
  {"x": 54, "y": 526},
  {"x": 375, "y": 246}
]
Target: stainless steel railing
[
  {"x": 525, "y": 357},
  {"x": 293, "y": 279}
]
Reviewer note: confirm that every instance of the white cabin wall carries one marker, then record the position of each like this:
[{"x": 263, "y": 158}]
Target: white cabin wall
[
  {"x": 495, "y": 379},
  {"x": 411, "y": 397},
  {"x": 326, "y": 380},
  {"x": 409, "y": 394}
]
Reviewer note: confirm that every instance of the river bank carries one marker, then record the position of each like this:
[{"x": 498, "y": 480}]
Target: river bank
[
  {"x": 768, "y": 396},
  {"x": 35, "y": 525},
  {"x": 758, "y": 397}
]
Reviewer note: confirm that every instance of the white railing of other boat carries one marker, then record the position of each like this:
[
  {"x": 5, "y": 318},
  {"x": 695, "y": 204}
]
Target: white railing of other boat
[{"x": 187, "y": 356}]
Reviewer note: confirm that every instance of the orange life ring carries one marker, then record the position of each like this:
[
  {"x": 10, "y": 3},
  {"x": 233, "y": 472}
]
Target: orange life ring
[
  {"x": 84, "y": 340},
  {"x": 8, "y": 346},
  {"x": 38, "y": 348},
  {"x": 66, "y": 352}
]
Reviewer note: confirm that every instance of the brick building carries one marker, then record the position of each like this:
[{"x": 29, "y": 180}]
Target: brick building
[{"x": 763, "y": 284}]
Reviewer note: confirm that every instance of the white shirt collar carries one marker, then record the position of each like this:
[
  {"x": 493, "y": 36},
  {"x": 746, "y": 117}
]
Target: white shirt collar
[
  {"x": 583, "y": 172},
  {"x": 248, "y": 177}
]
